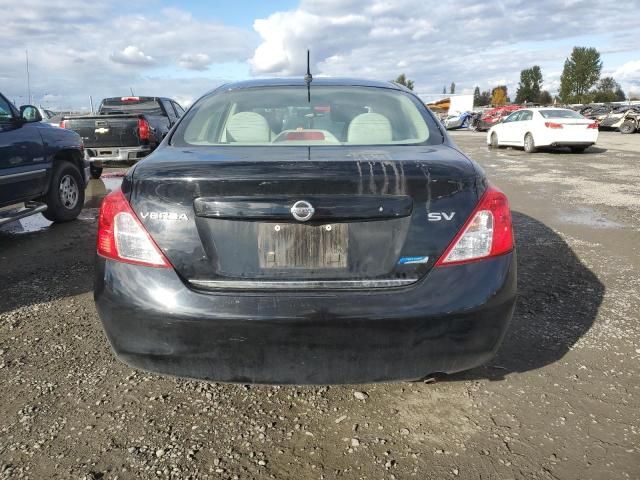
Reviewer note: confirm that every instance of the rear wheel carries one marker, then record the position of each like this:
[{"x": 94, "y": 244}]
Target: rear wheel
[
  {"x": 529, "y": 144},
  {"x": 65, "y": 197},
  {"x": 578, "y": 149},
  {"x": 494, "y": 140},
  {"x": 627, "y": 127}
]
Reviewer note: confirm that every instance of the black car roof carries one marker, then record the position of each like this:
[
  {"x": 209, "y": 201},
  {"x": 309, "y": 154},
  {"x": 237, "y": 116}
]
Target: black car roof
[{"x": 299, "y": 81}]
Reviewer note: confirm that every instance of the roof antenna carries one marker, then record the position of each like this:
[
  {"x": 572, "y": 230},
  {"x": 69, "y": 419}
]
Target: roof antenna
[{"x": 308, "y": 78}]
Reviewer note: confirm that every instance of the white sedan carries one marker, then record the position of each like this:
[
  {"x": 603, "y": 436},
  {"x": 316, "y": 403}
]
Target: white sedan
[{"x": 544, "y": 127}]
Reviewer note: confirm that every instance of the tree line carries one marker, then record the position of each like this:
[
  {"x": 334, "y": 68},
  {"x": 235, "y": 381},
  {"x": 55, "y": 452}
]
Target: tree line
[{"x": 580, "y": 82}]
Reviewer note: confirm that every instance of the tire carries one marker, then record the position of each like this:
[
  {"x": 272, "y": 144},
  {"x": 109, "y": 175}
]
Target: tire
[
  {"x": 65, "y": 197},
  {"x": 494, "y": 140},
  {"x": 578, "y": 149},
  {"x": 95, "y": 171},
  {"x": 627, "y": 127},
  {"x": 529, "y": 144}
]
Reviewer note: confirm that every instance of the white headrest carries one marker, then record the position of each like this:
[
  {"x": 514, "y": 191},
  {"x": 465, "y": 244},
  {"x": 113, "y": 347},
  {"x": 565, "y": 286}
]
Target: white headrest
[
  {"x": 248, "y": 127},
  {"x": 369, "y": 128}
]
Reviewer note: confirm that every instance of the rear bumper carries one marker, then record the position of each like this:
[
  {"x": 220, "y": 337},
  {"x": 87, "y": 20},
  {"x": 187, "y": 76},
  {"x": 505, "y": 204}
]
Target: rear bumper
[
  {"x": 102, "y": 155},
  {"x": 452, "y": 320},
  {"x": 571, "y": 144},
  {"x": 552, "y": 139}
]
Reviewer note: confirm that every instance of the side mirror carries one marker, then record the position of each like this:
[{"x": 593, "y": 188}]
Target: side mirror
[{"x": 30, "y": 114}]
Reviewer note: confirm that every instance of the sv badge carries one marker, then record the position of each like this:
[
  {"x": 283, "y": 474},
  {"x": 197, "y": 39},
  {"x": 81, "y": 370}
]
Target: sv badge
[{"x": 439, "y": 216}]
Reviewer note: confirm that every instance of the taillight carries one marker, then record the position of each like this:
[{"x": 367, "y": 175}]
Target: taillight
[
  {"x": 552, "y": 125},
  {"x": 487, "y": 233},
  {"x": 143, "y": 129},
  {"x": 122, "y": 237},
  {"x": 593, "y": 125},
  {"x": 63, "y": 124}
]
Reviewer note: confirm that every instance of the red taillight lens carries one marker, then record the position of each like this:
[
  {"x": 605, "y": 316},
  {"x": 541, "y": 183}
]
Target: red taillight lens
[
  {"x": 593, "y": 125},
  {"x": 552, "y": 125},
  {"x": 122, "y": 237},
  {"x": 143, "y": 129},
  {"x": 305, "y": 136},
  {"x": 487, "y": 233},
  {"x": 63, "y": 124}
]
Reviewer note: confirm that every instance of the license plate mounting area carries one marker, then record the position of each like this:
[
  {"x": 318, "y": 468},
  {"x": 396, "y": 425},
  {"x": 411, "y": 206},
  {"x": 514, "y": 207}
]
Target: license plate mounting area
[{"x": 303, "y": 246}]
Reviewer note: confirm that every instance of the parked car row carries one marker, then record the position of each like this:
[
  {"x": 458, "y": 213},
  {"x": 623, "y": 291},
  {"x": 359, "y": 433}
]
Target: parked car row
[
  {"x": 45, "y": 169},
  {"x": 479, "y": 121},
  {"x": 624, "y": 118}
]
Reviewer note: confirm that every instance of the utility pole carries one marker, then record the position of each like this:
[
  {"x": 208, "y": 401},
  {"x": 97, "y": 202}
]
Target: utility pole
[{"x": 26, "y": 53}]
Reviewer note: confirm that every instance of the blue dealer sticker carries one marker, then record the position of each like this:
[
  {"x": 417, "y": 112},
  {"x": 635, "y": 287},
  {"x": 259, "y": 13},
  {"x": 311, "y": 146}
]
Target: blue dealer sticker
[{"x": 408, "y": 260}]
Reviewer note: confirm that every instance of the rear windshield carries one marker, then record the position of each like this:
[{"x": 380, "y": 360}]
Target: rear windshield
[
  {"x": 335, "y": 115},
  {"x": 560, "y": 114},
  {"x": 127, "y": 105}
]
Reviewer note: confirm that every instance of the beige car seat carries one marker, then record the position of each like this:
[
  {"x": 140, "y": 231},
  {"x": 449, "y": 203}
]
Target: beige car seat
[
  {"x": 248, "y": 127},
  {"x": 369, "y": 128}
]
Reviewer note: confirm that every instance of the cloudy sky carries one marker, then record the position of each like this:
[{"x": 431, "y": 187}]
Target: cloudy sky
[{"x": 183, "y": 48}]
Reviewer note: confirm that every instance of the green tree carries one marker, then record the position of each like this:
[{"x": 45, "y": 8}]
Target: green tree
[
  {"x": 606, "y": 90},
  {"x": 403, "y": 80},
  {"x": 485, "y": 98},
  {"x": 530, "y": 85},
  {"x": 476, "y": 96},
  {"x": 452, "y": 88},
  {"x": 499, "y": 95},
  {"x": 620, "y": 96},
  {"x": 545, "y": 98},
  {"x": 481, "y": 98},
  {"x": 581, "y": 71}
]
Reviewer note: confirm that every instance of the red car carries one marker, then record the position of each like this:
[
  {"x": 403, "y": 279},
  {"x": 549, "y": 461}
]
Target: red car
[{"x": 492, "y": 116}]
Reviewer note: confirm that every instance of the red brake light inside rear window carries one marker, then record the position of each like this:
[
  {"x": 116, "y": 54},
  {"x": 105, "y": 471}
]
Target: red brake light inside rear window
[{"x": 305, "y": 136}]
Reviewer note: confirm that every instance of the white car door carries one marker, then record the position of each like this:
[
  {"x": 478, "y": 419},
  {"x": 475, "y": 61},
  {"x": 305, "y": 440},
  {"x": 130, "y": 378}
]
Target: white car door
[
  {"x": 506, "y": 133},
  {"x": 524, "y": 125}
]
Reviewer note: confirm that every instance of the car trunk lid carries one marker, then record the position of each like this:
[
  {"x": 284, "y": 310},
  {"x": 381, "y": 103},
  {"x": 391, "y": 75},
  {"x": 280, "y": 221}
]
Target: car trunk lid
[{"x": 381, "y": 216}]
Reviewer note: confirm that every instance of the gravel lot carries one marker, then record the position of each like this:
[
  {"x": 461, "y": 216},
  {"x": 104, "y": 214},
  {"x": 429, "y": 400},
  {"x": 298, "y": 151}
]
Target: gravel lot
[{"x": 560, "y": 401}]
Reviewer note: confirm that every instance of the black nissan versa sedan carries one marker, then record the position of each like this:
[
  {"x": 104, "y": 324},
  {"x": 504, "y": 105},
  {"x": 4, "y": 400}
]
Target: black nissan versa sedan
[{"x": 287, "y": 232}]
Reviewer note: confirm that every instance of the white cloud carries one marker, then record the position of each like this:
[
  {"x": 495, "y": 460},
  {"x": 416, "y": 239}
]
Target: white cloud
[
  {"x": 101, "y": 48},
  {"x": 628, "y": 75},
  {"x": 194, "y": 61},
  {"x": 132, "y": 55},
  {"x": 467, "y": 42}
]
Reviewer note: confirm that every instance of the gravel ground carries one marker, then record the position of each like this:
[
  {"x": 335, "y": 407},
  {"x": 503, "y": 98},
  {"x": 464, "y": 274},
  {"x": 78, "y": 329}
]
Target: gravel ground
[{"x": 560, "y": 400}]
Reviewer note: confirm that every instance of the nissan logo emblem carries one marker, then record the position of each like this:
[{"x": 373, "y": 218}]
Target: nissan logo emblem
[{"x": 302, "y": 210}]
